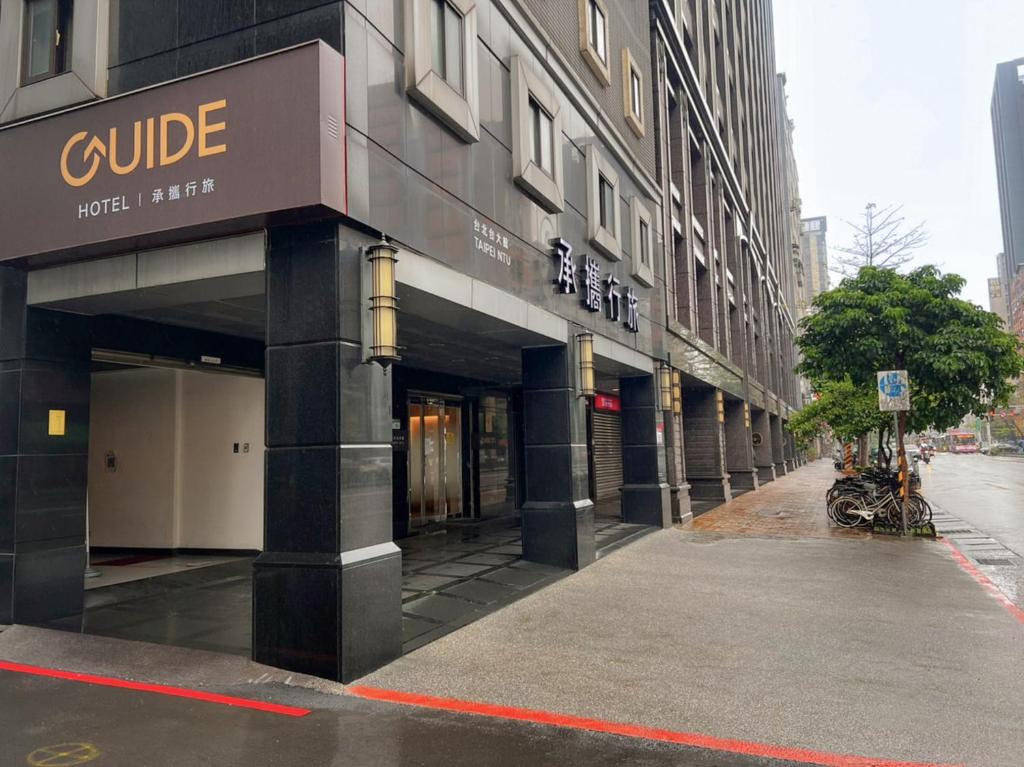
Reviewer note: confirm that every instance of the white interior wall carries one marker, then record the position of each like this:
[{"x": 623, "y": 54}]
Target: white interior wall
[
  {"x": 220, "y": 493},
  {"x": 178, "y": 482},
  {"x": 132, "y": 415}
]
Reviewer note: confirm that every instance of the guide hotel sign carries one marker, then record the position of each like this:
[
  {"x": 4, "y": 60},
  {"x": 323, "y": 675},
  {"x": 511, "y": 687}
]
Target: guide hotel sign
[{"x": 217, "y": 152}]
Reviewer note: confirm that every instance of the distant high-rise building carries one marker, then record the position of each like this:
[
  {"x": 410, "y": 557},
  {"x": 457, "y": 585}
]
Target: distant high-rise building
[
  {"x": 1008, "y": 135},
  {"x": 997, "y": 299},
  {"x": 814, "y": 256}
]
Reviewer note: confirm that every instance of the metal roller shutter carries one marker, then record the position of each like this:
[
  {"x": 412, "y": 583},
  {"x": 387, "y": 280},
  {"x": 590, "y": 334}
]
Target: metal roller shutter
[{"x": 607, "y": 454}]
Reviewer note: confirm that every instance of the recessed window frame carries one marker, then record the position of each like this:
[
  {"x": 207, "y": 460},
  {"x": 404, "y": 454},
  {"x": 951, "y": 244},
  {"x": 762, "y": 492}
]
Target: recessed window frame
[
  {"x": 427, "y": 80},
  {"x": 642, "y": 241},
  {"x": 60, "y": 34},
  {"x": 545, "y": 186},
  {"x": 589, "y": 47},
  {"x": 633, "y": 93},
  {"x": 604, "y": 239},
  {"x": 84, "y": 76}
]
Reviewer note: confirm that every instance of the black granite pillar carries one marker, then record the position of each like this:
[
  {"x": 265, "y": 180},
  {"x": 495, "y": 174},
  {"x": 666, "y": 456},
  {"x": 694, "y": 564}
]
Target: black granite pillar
[
  {"x": 704, "y": 441},
  {"x": 762, "y": 442},
  {"x": 739, "y": 449},
  {"x": 327, "y": 588},
  {"x": 778, "y": 443},
  {"x": 44, "y": 449},
  {"x": 558, "y": 515},
  {"x": 788, "y": 448},
  {"x": 646, "y": 498},
  {"x": 679, "y": 489}
]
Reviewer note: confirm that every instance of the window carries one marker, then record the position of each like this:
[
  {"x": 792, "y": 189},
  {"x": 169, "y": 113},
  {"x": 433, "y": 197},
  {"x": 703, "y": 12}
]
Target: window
[
  {"x": 594, "y": 38},
  {"x": 633, "y": 93},
  {"x": 598, "y": 27},
  {"x": 446, "y": 33},
  {"x": 540, "y": 147},
  {"x": 606, "y": 200},
  {"x": 441, "y": 62},
  {"x": 603, "y": 207},
  {"x": 642, "y": 241},
  {"x": 536, "y": 138},
  {"x": 46, "y": 42}
]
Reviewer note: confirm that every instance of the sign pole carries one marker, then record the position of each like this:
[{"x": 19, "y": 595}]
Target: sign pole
[{"x": 901, "y": 426}]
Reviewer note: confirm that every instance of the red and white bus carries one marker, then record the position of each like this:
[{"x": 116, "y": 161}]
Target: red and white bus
[{"x": 962, "y": 442}]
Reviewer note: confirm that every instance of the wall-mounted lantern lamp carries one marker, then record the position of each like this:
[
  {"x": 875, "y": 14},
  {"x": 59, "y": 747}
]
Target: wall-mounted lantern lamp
[
  {"x": 585, "y": 343},
  {"x": 677, "y": 393},
  {"x": 746, "y": 415},
  {"x": 382, "y": 258},
  {"x": 720, "y": 405},
  {"x": 665, "y": 386}
]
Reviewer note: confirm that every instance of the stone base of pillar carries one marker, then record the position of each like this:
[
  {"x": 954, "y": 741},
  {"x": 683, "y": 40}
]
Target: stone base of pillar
[
  {"x": 710, "y": 488},
  {"x": 766, "y": 474},
  {"x": 791, "y": 464},
  {"x": 781, "y": 468},
  {"x": 647, "y": 505},
  {"x": 743, "y": 479},
  {"x": 558, "y": 534},
  {"x": 334, "y": 616},
  {"x": 681, "y": 511}
]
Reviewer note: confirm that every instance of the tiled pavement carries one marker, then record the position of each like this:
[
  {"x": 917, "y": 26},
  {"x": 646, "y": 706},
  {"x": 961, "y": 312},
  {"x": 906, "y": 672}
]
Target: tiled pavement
[
  {"x": 449, "y": 579},
  {"x": 452, "y": 578},
  {"x": 793, "y": 506}
]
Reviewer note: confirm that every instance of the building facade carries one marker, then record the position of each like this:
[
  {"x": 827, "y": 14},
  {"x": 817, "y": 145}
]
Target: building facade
[
  {"x": 578, "y": 206},
  {"x": 997, "y": 300},
  {"x": 1008, "y": 138},
  {"x": 814, "y": 257}
]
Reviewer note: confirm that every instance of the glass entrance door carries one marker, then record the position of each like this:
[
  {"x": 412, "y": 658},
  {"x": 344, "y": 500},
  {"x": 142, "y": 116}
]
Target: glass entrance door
[{"x": 435, "y": 459}]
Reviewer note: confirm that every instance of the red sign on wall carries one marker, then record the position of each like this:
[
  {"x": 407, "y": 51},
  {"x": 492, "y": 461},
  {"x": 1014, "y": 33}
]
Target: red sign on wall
[{"x": 607, "y": 403}]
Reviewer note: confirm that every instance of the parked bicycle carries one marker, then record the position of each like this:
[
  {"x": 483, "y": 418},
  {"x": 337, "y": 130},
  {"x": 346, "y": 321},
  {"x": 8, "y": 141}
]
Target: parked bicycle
[{"x": 873, "y": 495}]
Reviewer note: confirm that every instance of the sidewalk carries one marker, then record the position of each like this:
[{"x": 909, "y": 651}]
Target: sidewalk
[
  {"x": 874, "y": 647},
  {"x": 791, "y": 506}
]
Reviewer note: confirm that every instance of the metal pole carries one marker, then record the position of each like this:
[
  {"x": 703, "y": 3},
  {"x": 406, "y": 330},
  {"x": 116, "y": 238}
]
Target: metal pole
[{"x": 901, "y": 424}]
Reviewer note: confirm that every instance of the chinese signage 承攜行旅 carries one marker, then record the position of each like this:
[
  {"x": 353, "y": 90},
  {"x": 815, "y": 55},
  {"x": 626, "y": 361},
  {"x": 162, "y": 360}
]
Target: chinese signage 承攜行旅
[
  {"x": 222, "y": 151},
  {"x": 620, "y": 305}
]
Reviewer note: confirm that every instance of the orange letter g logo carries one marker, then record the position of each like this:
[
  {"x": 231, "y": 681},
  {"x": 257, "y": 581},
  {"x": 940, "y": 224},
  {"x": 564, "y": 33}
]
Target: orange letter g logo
[{"x": 95, "y": 148}]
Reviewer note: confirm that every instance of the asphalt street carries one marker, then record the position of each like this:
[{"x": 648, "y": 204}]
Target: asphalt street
[
  {"x": 57, "y": 723},
  {"x": 986, "y": 492}
]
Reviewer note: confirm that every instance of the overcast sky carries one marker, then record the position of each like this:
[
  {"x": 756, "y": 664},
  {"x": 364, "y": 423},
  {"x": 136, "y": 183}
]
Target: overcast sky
[{"x": 890, "y": 100}]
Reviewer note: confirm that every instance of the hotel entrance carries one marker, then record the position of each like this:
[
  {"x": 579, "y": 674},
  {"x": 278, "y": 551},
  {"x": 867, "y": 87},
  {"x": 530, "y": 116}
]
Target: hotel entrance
[{"x": 435, "y": 459}]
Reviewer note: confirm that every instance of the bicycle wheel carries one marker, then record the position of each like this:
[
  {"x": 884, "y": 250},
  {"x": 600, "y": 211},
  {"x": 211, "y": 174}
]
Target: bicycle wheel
[
  {"x": 919, "y": 513},
  {"x": 844, "y": 511}
]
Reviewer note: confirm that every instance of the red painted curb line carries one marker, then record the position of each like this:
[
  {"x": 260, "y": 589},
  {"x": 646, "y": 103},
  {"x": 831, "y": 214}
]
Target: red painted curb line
[
  {"x": 696, "y": 740},
  {"x": 983, "y": 580},
  {"x": 160, "y": 689}
]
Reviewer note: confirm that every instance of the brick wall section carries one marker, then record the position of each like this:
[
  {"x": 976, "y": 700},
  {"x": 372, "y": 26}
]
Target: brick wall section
[{"x": 704, "y": 437}]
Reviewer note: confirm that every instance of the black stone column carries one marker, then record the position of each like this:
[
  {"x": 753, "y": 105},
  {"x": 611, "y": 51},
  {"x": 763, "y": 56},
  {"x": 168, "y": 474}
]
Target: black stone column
[
  {"x": 327, "y": 588},
  {"x": 44, "y": 375},
  {"x": 762, "y": 434},
  {"x": 789, "y": 448},
  {"x": 704, "y": 442},
  {"x": 739, "y": 449},
  {"x": 646, "y": 498},
  {"x": 679, "y": 489},
  {"x": 558, "y": 515},
  {"x": 778, "y": 454}
]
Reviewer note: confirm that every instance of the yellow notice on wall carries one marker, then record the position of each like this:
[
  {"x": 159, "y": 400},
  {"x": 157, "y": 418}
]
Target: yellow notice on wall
[{"x": 56, "y": 426}]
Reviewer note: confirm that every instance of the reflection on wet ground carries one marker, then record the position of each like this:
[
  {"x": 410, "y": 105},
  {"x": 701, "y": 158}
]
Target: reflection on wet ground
[{"x": 450, "y": 578}]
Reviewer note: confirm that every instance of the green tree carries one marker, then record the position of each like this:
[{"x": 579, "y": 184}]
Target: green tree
[
  {"x": 957, "y": 355},
  {"x": 847, "y": 410}
]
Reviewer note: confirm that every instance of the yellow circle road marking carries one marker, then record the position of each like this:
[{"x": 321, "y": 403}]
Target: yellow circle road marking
[{"x": 63, "y": 755}]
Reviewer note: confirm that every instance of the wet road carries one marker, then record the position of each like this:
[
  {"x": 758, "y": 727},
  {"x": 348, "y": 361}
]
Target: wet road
[
  {"x": 56, "y": 723},
  {"x": 987, "y": 493}
]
